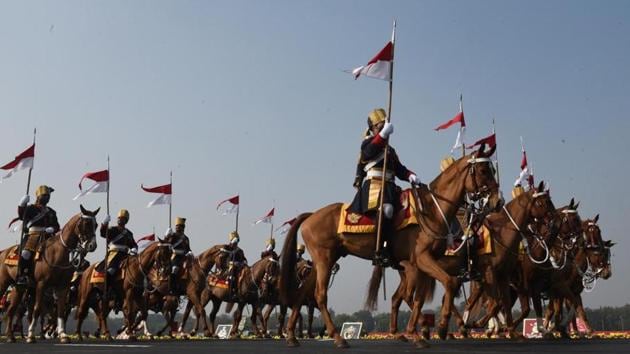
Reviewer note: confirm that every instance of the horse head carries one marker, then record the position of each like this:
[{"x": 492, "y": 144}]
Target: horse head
[
  {"x": 162, "y": 258},
  {"x": 480, "y": 184},
  {"x": 85, "y": 229},
  {"x": 597, "y": 250}
]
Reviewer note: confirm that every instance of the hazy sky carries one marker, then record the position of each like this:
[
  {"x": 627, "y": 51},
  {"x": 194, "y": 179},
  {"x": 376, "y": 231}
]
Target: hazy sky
[{"x": 250, "y": 97}]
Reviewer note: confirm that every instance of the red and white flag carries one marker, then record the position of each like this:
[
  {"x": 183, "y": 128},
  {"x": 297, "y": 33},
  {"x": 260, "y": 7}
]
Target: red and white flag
[
  {"x": 267, "y": 219},
  {"x": 165, "y": 192},
  {"x": 229, "y": 206},
  {"x": 21, "y": 162},
  {"x": 524, "y": 176},
  {"x": 101, "y": 183},
  {"x": 379, "y": 67},
  {"x": 490, "y": 140},
  {"x": 150, "y": 237},
  {"x": 284, "y": 228},
  {"x": 459, "y": 118}
]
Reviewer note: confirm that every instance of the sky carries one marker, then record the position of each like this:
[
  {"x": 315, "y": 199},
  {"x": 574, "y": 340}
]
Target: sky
[{"x": 251, "y": 98}]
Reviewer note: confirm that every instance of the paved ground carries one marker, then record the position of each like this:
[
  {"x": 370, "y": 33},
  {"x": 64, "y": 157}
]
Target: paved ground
[{"x": 316, "y": 346}]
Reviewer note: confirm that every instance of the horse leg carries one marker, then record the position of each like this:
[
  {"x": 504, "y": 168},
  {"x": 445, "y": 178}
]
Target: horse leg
[
  {"x": 238, "y": 315},
  {"x": 11, "y": 311},
  {"x": 323, "y": 265},
  {"x": 182, "y": 325},
  {"x": 62, "y": 295},
  {"x": 397, "y": 299},
  {"x": 264, "y": 318},
  {"x": 254, "y": 316},
  {"x": 295, "y": 312},
  {"x": 416, "y": 311},
  {"x": 311, "y": 313},
  {"x": 581, "y": 314},
  {"x": 300, "y": 324},
  {"x": 200, "y": 309},
  {"x": 216, "y": 305},
  {"x": 523, "y": 299},
  {"x": 281, "y": 319},
  {"x": 129, "y": 310}
]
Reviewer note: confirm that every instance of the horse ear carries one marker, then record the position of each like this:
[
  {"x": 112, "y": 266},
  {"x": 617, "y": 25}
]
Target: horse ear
[
  {"x": 576, "y": 206},
  {"x": 96, "y": 211},
  {"x": 491, "y": 151},
  {"x": 596, "y": 218},
  {"x": 480, "y": 151},
  {"x": 541, "y": 186},
  {"x": 160, "y": 240},
  {"x": 83, "y": 211},
  {"x": 571, "y": 203}
]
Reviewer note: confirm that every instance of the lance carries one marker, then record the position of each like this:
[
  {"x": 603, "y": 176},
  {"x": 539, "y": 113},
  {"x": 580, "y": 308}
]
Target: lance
[
  {"x": 106, "y": 260},
  {"x": 28, "y": 188},
  {"x": 238, "y": 209},
  {"x": 170, "y": 204},
  {"x": 496, "y": 152},
  {"x": 461, "y": 128}
]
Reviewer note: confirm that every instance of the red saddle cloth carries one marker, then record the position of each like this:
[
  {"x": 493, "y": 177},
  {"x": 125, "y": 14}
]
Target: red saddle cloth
[
  {"x": 218, "y": 282},
  {"x": 353, "y": 223}
]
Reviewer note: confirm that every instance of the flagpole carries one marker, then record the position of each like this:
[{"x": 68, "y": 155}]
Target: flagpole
[
  {"x": 170, "y": 205},
  {"x": 28, "y": 188},
  {"x": 388, "y": 119},
  {"x": 496, "y": 152},
  {"x": 109, "y": 181},
  {"x": 238, "y": 210},
  {"x": 461, "y": 128}
]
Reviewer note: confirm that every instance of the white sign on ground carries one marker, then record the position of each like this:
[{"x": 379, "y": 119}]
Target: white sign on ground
[
  {"x": 223, "y": 331},
  {"x": 351, "y": 330},
  {"x": 530, "y": 328}
]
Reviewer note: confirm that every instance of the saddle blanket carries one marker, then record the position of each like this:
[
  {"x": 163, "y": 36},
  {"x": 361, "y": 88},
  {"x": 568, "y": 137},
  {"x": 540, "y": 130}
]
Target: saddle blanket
[
  {"x": 99, "y": 271},
  {"x": 215, "y": 281},
  {"x": 483, "y": 243},
  {"x": 13, "y": 257},
  {"x": 353, "y": 223}
]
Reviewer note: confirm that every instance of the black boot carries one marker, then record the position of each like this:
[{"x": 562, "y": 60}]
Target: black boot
[
  {"x": 23, "y": 278},
  {"x": 172, "y": 284}
]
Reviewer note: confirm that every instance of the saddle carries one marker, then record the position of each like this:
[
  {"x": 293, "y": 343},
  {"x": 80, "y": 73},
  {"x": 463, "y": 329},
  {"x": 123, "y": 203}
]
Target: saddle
[
  {"x": 218, "y": 281},
  {"x": 483, "y": 242},
  {"x": 355, "y": 223},
  {"x": 99, "y": 273},
  {"x": 13, "y": 257}
]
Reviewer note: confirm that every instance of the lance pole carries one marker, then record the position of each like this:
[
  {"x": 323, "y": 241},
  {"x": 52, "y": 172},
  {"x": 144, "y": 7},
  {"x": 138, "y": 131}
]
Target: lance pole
[
  {"x": 496, "y": 152},
  {"x": 28, "y": 188},
  {"x": 170, "y": 204}
]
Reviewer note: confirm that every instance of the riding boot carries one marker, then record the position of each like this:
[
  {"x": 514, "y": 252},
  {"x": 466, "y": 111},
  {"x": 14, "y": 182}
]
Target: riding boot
[
  {"x": 25, "y": 270},
  {"x": 172, "y": 284},
  {"x": 383, "y": 257}
]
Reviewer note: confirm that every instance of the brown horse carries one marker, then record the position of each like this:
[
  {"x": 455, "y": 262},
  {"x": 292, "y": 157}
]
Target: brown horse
[
  {"x": 128, "y": 288},
  {"x": 589, "y": 261},
  {"x": 471, "y": 177},
  {"x": 76, "y": 237}
]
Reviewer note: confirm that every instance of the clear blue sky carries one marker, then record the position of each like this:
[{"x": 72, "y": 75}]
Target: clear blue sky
[{"x": 250, "y": 97}]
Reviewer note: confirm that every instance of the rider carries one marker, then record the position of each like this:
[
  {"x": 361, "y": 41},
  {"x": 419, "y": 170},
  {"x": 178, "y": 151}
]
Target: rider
[
  {"x": 39, "y": 222},
  {"x": 369, "y": 179},
  {"x": 269, "y": 249},
  {"x": 233, "y": 262},
  {"x": 181, "y": 249},
  {"x": 120, "y": 243}
]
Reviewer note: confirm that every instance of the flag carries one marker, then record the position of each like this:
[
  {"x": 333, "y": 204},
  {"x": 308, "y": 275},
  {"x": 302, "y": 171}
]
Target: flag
[
  {"x": 490, "y": 140},
  {"x": 459, "y": 118},
  {"x": 230, "y": 205},
  {"x": 101, "y": 179},
  {"x": 524, "y": 175},
  {"x": 379, "y": 67},
  {"x": 267, "y": 219},
  {"x": 284, "y": 228},
  {"x": 21, "y": 162},
  {"x": 150, "y": 237},
  {"x": 165, "y": 194}
]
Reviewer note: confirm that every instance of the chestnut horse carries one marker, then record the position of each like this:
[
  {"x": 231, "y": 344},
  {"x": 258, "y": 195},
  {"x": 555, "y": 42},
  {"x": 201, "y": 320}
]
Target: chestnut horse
[
  {"x": 129, "y": 288},
  {"x": 469, "y": 178},
  {"x": 51, "y": 270}
]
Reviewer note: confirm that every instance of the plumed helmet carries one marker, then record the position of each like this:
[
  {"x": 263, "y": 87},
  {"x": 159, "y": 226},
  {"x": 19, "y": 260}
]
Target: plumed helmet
[
  {"x": 271, "y": 242},
  {"x": 376, "y": 116},
  {"x": 123, "y": 213},
  {"x": 446, "y": 162},
  {"x": 301, "y": 248},
  {"x": 518, "y": 190},
  {"x": 43, "y": 190},
  {"x": 180, "y": 221},
  {"x": 234, "y": 237}
]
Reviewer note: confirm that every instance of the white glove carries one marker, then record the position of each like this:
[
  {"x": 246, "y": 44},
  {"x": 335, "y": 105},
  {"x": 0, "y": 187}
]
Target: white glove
[
  {"x": 413, "y": 179},
  {"x": 133, "y": 251},
  {"x": 387, "y": 130},
  {"x": 168, "y": 231},
  {"x": 50, "y": 230},
  {"x": 25, "y": 199},
  {"x": 107, "y": 219}
]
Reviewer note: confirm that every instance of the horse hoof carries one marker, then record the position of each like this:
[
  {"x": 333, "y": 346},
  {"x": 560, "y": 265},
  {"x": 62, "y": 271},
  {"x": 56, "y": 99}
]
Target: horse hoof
[
  {"x": 426, "y": 334},
  {"x": 207, "y": 333},
  {"x": 422, "y": 344},
  {"x": 401, "y": 337},
  {"x": 450, "y": 336},
  {"x": 64, "y": 340},
  {"x": 108, "y": 337},
  {"x": 464, "y": 332},
  {"x": 11, "y": 340},
  {"x": 341, "y": 343},
  {"x": 132, "y": 338},
  {"x": 30, "y": 340},
  {"x": 292, "y": 343},
  {"x": 442, "y": 331}
]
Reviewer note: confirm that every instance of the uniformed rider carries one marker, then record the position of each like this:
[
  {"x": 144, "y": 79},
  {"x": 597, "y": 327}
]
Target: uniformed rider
[
  {"x": 270, "y": 245},
  {"x": 181, "y": 249},
  {"x": 120, "y": 243},
  {"x": 39, "y": 222},
  {"x": 370, "y": 177},
  {"x": 232, "y": 261}
]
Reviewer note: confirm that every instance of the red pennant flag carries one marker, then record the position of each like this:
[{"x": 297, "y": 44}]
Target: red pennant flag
[
  {"x": 22, "y": 161},
  {"x": 102, "y": 183},
  {"x": 231, "y": 205},
  {"x": 150, "y": 237},
  {"x": 459, "y": 118},
  {"x": 284, "y": 228},
  {"x": 267, "y": 219},
  {"x": 490, "y": 140},
  {"x": 379, "y": 67},
  {"x": 165, "y": 194}
]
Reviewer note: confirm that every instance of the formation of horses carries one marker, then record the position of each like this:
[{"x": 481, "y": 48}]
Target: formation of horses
[{"x": 537, "y": 249}]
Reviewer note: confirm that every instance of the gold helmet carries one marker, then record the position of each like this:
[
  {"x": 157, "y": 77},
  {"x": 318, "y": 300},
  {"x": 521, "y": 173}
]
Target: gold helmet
[
  {"x": 446, "y": 163},
  {"x": 518, "y": 190},
  {"x": 123, "y": 213},
  {"x": 180, "y": 221},
  {"x": 234, "y": 236},
  {"x": 376, "y": 116},
  {"x": 271, "y": 242},
  {"x": 301, "y": 248},
  {"x": 43, "y": 190}
]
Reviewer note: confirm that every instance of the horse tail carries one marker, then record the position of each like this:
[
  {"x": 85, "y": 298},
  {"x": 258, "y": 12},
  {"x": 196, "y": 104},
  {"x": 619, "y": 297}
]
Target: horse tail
[
  {"x": 371, "y": 301},
  {"x": 288, "y": 261}
]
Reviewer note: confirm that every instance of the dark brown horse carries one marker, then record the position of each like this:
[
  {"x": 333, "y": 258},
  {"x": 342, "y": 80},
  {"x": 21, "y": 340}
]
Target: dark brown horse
[
  {"x": 127, "y": 289},
  {"x": 471, "y": 176},
  {"x": 76, "y": 237}
]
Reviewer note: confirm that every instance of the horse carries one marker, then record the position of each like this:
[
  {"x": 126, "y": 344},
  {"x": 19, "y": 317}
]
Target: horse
[
  {"x": 129, "y": 288},
  {"x": 470, "y": 177},
  {"x": 76, "y": 237}
]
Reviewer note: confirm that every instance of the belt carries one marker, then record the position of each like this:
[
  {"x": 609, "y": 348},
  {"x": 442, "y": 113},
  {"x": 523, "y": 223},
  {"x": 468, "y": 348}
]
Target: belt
[
  {"x": 36, "y": 229},
  {"x": 117, "y": 248},
  {"x": 179, "y": 252},
  {"x": 378, "y": 174}
]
